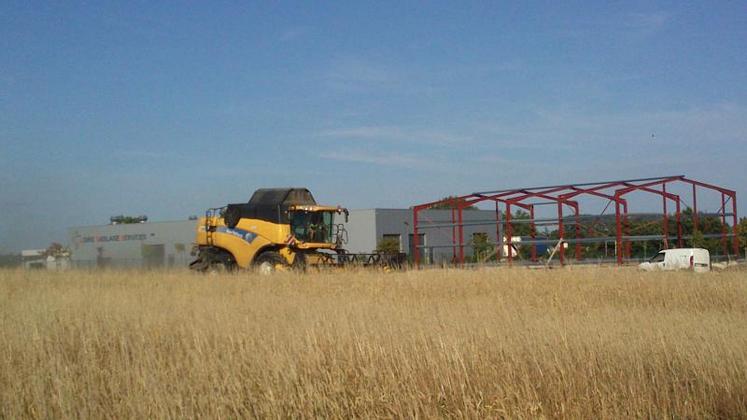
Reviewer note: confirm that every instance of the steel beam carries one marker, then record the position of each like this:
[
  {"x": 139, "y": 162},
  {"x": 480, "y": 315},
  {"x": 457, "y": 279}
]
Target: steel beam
[
  {"x": 561, "y": 194},
  {"x": 695, "y": 210},
  {"x": 498, "y": 233},
  {"x": 509, "y": 234},
  {"x": 453, "y": 235},
  {"x": 735, "y": 227},
  {"x": 618, "y": 235},
  {"x": 460, "y": 210},
  {"x": 561, "y": 234},
  {"x": 415, "y": 248},
  {"x": 724, "y": 243},
  {"x": 533, "y": 233},
  {"x": 665, "y": 225},
  {"x": 586, "y": 184}
]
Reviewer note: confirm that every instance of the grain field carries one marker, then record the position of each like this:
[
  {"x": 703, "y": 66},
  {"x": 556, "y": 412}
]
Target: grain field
[{"x": 575, "y": 343}]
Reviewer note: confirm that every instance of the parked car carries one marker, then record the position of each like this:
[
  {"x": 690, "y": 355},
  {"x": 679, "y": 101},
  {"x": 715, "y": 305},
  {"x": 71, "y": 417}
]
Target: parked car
[{"x": 696, "y": 259}]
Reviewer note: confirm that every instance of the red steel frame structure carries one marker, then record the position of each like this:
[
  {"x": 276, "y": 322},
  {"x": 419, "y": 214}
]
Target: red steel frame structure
[{"x": 563, "y": 195}]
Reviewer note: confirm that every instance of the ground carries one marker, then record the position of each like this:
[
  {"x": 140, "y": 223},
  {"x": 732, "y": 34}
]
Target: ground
[{"x": 584, "y": 342}]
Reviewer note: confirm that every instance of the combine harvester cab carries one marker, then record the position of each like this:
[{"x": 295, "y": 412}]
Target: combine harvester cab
[
  {"x": 278, "y": 229},
  {"x": 695, "y": 259}
]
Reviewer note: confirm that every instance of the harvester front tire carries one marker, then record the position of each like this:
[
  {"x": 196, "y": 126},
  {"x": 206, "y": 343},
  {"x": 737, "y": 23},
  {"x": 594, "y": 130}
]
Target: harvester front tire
[{"x": 269, "y": 262}]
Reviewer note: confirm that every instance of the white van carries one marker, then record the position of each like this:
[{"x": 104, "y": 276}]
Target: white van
[{"x": 696, "y": 259}]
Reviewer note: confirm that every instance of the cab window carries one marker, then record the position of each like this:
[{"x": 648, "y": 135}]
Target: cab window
[
  {"x": 312, "y": 226},
  {"x": 658, "y": 257}
]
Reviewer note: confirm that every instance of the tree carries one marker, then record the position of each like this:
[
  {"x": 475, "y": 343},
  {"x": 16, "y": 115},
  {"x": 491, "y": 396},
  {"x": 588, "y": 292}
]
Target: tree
[
  {"x": 482, "y": 249},
  {"x": 698, "y": 241},
  {"x": 521, "y": 228},
  {"x": 57, "y": 250},
  {"x": 125, "y": 220},
  {"x": 388, "y": 246},
  {"x": 742, "y": 233}
]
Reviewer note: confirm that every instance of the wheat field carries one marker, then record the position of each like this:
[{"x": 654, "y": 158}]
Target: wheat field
[{"x": 591, "y": 343}]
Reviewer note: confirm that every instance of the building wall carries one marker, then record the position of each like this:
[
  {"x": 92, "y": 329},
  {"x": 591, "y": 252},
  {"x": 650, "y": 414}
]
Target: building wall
[
  {"x": 367, "y": 228},
  {"x": 133, "y": 245},
  {"x": 361, "y": 228},
  {"x": 438, "y": 241}
]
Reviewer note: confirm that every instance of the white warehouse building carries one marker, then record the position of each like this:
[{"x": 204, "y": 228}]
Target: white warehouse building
[{"x": 159, "y": 244}]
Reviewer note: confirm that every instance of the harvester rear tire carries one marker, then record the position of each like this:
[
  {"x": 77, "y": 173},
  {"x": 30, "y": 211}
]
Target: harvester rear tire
[
  {"x": 269, "y": 262},
  {"x": 213, "y": 260}
]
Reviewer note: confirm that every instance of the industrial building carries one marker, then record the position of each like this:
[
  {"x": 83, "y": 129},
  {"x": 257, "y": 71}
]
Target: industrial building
[
  {"x": 160, "y": 244},
  {"x": 168, "y": 244},
  {"x": 367, "y": 228}
]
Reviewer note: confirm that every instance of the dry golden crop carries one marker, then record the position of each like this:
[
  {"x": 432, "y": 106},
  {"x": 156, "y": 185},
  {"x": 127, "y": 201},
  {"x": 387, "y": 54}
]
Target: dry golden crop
[{"x": 592, "y": 343}]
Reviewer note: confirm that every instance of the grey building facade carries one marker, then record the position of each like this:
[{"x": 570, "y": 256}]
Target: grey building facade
[
  {"x": 367, "y": 228},
  {"x": 159, "y": 244}
]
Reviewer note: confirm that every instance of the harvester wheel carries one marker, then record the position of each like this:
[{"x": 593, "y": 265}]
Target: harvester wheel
[
  {"x": 199, "y": 265},
  {"x": 218, "y": 268},
  {"x": 269, "y": 262},
  {"x": 213, "y": 260}
]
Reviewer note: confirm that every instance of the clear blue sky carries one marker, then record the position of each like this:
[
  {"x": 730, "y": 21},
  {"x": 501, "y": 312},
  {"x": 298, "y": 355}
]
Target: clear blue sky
[{"x": 166, "y": 108}]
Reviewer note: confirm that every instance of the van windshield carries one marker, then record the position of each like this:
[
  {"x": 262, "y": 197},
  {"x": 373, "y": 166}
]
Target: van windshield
[{"x": 658, "y": 257}]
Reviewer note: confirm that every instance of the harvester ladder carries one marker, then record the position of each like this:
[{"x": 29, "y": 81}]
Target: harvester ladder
[{"x": 210, "y": 216}]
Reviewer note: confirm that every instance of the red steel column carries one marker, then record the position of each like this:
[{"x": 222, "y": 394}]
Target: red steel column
[
  {"x": 498, "y": 238},
  {"x": 735, "y": 240},
  {"x": 561, "y": 233},
  {"x": 724, "y": 230},
  {"x": 695, "y": 210},
  {"x": 533, "y": 233},
  {"x": 665, "y": 226},
  {"x": 453, "y": 234},
  {"x": 415, "y": 236},
  {"x": 461, "y": 235},
  {"x": 509, "y": 234},
  {"x": 618, "y": 233},
  {"x": 578, "y": 233},
  {"x": 627, "y": 229}
]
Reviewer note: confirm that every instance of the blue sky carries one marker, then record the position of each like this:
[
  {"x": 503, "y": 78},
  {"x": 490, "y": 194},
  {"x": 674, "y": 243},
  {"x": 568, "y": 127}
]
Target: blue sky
[{"x": 166, "y": 108}]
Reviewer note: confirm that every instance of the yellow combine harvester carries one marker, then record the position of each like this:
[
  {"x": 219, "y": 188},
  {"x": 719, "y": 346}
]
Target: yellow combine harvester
[{"x": 279, "y": 228}]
